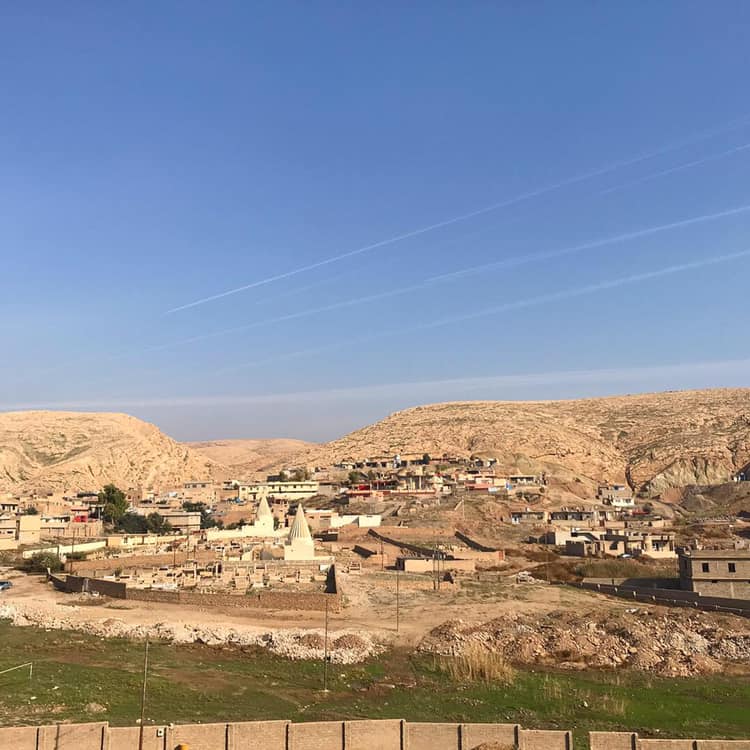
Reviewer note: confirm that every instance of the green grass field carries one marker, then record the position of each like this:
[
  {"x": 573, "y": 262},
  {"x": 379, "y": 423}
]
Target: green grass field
[{"x": 201, "y": 683}]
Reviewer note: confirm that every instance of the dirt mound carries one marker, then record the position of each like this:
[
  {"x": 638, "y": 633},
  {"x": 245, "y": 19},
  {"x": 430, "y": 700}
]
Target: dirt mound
[
  {"x": 677, "y": 644},
  {"x": 343, "y": 648}
]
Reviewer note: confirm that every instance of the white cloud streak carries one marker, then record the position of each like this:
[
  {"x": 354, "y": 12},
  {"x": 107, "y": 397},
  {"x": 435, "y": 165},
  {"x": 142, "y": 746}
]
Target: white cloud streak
[
  {"x": 454, "y": 275},
  {"x": 678, "y": 168},
  {"x": 542, "y": 299},
  {"x": 466, "y": 216},
  {"x": 668, "y": 373}
]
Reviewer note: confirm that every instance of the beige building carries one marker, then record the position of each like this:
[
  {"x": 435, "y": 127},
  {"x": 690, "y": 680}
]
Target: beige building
[
  {"x": 723, "y": 573},
  {"x": 19, "y": 530},
  {"x": 616, "y": 543},
  {"x": 294, "y": 491}
]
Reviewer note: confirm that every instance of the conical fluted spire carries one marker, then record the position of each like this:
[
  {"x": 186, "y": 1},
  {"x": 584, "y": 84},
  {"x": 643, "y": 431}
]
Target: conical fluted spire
[
  {"x": 299, "y": 529},
  {"x": 263, "y": 510}
]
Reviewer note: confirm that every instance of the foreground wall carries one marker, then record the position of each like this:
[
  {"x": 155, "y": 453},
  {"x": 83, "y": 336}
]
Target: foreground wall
[
  {"x": 387, "y": 734},
  {"x": 631, "y": 741}
]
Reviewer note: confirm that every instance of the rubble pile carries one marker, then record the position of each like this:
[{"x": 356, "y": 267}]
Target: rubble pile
[
  {"x": 343, "y": 647},
  {"x": 677, "y": 644}
]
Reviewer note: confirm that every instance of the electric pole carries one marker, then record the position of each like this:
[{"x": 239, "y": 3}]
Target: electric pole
[
  {"x": 143, "y": 695},
  {"x": 325, "y": 653},
  {"x": 397, "y": 598}
]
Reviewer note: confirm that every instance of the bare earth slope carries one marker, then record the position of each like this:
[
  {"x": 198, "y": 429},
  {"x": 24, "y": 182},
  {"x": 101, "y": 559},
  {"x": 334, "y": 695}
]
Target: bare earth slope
[
  {"x": 73, "y": 451},
  {"x": 246, "y": 457},
  {"x": 655, "y": 440}
]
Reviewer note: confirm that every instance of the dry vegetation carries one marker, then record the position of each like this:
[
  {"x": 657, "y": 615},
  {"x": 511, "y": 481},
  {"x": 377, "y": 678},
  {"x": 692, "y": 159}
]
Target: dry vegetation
[{"x": 657, "y": 440}]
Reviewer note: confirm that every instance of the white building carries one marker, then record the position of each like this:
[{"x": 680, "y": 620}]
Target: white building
[{"x": 297, "y": 491}]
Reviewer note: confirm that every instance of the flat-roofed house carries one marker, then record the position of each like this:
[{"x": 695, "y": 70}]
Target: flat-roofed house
[{"x": 718, "y": 572}]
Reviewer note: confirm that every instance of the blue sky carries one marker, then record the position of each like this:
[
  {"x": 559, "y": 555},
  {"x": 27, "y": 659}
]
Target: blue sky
[{"x": 158, "y": 154}]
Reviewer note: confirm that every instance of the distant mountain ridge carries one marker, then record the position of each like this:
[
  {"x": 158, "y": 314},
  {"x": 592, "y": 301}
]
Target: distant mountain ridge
[
  {"x": 654, "y": 441},
  {"x": 244, "y": 458},
  {"x": 53, "y": 451}
]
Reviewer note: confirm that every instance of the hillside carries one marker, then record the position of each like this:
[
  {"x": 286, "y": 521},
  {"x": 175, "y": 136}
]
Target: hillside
[
  {"x": 655, "y": 441},
  {"x": 246, "y": 457},
  {"x": 73, "y": 451}
]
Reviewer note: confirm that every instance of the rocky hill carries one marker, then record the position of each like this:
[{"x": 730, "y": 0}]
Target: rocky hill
[
  {"x": 654, "y": 441},
  {"x": 74, "y": 451},
  {"x": 244, "y": 458}
]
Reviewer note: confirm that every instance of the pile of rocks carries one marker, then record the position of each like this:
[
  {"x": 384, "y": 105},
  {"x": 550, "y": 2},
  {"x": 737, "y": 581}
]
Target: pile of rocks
[
  {"x": 343, "y": 647},
  {"x": 677, "y": 644}
]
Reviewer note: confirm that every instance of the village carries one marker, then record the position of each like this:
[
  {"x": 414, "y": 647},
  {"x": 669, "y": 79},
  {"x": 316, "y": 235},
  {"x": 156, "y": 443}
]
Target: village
[{"x": 288, "y": 540}]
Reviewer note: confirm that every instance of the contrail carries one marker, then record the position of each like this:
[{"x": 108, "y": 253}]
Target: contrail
[
  {"x": 733, "y": 125},
  {"x": 442, "y": 278},
  {"x": 667, "y": 372},
  {"x": 580, "y": 291},
  {"x": 678, "y": 168},
  {"x": 515, "y": 305}
]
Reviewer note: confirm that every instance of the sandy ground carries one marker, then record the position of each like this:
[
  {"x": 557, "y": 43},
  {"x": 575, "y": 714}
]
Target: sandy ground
[{"x": 370, "y": 606}]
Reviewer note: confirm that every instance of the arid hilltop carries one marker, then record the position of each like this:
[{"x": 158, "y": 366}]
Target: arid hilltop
[
  {"x": 74, "y": 451},
  {"x": 654, "y": 441},
  {"x": 246, "y": 457}
]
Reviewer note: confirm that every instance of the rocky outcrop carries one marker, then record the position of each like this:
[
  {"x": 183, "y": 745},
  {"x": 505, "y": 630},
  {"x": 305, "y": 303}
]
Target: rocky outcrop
[
  {"x": 652, "y": 441},
  {"x": 74, "y": 451}
]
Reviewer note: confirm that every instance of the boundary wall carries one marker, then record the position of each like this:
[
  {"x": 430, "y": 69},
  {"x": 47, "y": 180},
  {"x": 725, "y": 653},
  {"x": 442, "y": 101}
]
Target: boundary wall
[
  {"x": 284, "y": 600},
  {"x": 385, "y": 734},
  {"x": 671, "y": 597}
]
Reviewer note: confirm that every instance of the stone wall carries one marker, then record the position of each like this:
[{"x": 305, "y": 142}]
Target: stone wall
[
  {"x": 631, "y": 741},
  {"x": 288, "y": 600},
  {"x": 386, "y": 734}
]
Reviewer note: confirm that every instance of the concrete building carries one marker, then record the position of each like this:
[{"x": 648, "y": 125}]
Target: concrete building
[
  {"x": 295, "y": 491},
  {"x": 620, "y": 542},
  {"x": 19, "y": 530},
  {"x": 724, "y": 573}
]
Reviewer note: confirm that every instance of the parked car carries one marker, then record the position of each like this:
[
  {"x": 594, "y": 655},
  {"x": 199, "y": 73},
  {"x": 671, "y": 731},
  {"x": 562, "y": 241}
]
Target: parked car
[{"x": 5, "y": 585}]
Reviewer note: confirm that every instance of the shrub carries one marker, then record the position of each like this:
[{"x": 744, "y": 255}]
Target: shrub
[
  {"x": 41, "y": 561},
  {"x": 477, "y": 663}
]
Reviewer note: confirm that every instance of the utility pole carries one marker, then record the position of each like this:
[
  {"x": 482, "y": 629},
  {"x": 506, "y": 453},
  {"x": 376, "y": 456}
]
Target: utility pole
[
  {"x": 143, "y": 695},
  {"x": 397, "y": 598},
  {"x": 325, "y": 655}
]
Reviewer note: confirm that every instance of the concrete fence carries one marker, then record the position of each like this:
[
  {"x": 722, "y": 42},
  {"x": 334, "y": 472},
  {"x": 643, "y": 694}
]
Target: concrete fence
[
  {"x": 386, "y": 734},
  {"x": 671, "y": 598},
  {"x": 631, "y": 741}
]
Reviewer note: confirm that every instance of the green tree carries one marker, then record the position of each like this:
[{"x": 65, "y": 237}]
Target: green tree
[
  {"x": 354, "y": 476},
  {"x": 42, "y": 561},
  {"x": 31, "y": 511},
  {"x": 156, "y": 524},
  {"x": 426, "y": 459},
  {"x": 132, "y": 523},
  {"x": 115, "y": 503}
]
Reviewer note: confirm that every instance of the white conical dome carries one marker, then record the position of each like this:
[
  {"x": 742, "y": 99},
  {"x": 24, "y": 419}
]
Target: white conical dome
[
  {"x": 299, "y": 529},
  {"x": 263, "y": 510}
]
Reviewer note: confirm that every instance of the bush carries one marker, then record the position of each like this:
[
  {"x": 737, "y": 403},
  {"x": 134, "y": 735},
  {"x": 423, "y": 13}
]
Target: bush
[
  {"x": 477, "y": 663},
  {"x": 41, "y": 561}
]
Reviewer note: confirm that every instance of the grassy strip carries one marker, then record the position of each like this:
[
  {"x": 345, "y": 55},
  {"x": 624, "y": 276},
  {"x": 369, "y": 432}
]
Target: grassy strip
[{"x": 74, "y": 674}]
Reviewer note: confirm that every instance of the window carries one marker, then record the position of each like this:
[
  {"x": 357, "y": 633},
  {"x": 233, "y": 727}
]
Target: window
[
  {"x": 732, "y": 568},
  {"x": 704, "y": 567}
]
